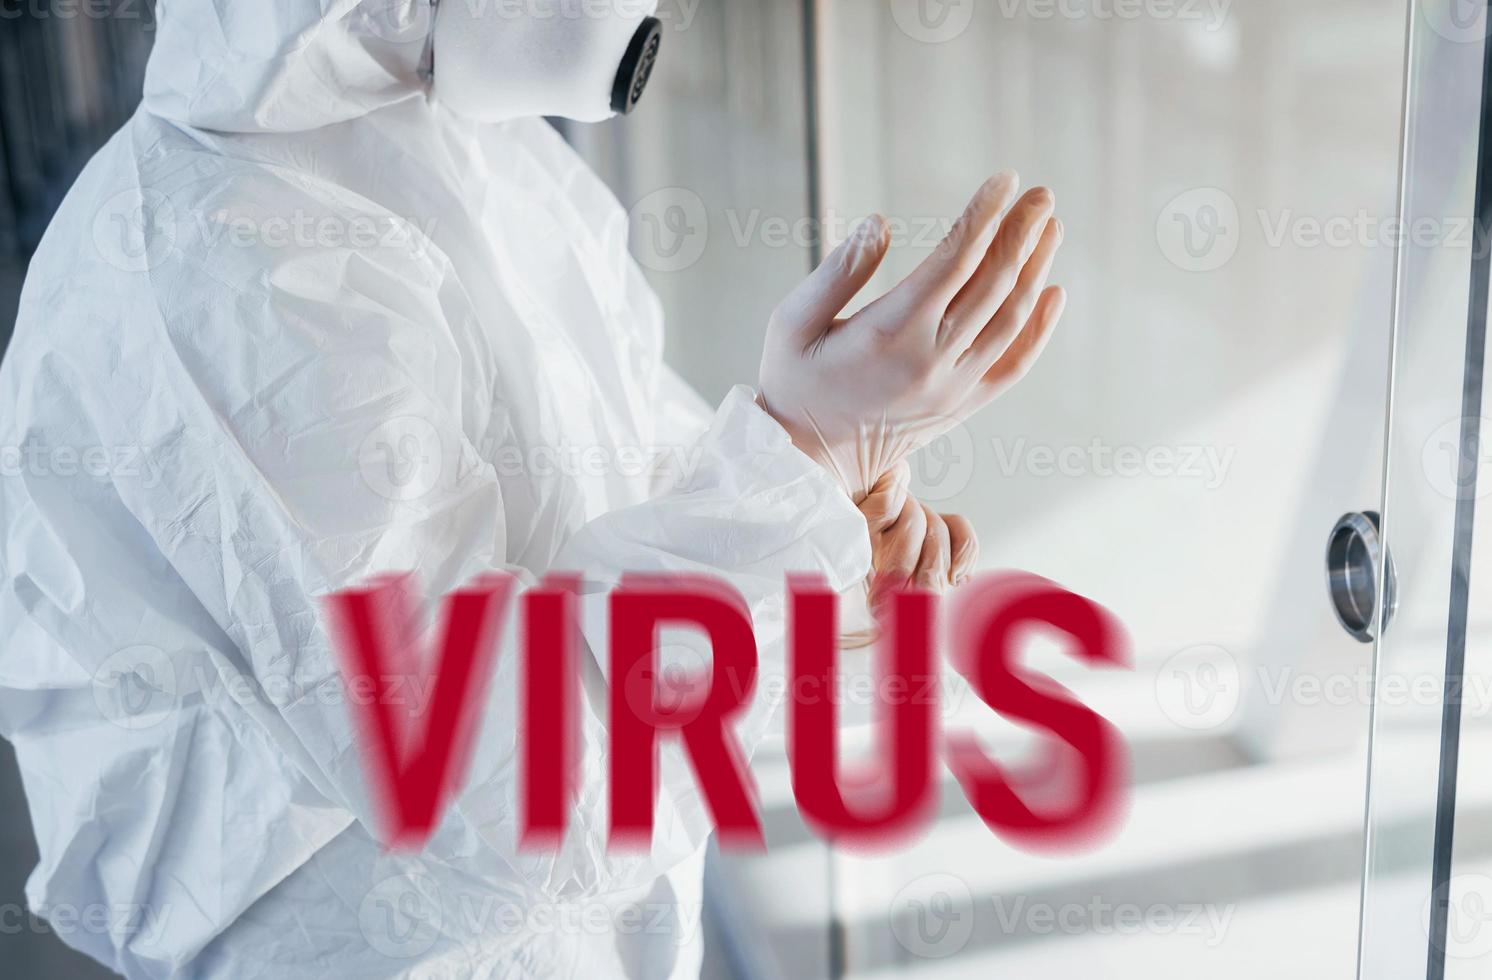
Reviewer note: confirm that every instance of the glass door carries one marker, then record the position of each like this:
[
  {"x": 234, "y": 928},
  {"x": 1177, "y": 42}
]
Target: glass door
[
  {"x": 1215, "y": 402},
  {"x": 1427, "y": 896},
  {"x": 1277, "y": 298}
]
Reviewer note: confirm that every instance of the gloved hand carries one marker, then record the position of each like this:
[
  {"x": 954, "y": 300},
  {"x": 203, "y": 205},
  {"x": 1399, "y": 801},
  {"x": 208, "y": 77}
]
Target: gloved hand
[
  {"x": 862, "y": 394},
  {"x": 913, "y": 546}
]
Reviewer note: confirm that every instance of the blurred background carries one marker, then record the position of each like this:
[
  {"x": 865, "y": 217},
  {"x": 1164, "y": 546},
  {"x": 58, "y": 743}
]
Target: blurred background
[
  {"x": 1227, "y": 174},
  {"x": 70, "y": 76}
]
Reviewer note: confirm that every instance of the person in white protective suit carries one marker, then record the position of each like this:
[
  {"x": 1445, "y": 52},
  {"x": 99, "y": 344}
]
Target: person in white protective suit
[{"x": 306, "y": 319}]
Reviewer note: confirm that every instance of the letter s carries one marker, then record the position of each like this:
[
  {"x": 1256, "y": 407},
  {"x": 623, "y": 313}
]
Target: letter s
[{"x": 1077, "y": 808}]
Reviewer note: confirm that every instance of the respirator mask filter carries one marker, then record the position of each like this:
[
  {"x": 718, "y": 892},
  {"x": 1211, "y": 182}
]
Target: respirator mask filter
[{"x": 586, "y": 60}]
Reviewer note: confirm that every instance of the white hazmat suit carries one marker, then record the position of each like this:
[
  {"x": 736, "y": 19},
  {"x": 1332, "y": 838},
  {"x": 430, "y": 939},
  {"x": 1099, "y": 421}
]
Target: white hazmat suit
[{"x": 296, "y": 325}]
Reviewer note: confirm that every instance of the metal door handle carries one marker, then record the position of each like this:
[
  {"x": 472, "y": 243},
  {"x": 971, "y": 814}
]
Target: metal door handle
[{"x": 1354, "y": 556}]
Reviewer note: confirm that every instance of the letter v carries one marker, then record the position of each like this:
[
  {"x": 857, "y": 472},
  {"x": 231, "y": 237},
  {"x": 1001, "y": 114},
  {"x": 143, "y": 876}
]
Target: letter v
[{"x": 415, "y": 758}]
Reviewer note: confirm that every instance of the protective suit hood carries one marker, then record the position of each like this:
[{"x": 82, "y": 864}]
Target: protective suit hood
[
  {"x": 296, "y": 65},
  {"x": 284, "y": 65}
]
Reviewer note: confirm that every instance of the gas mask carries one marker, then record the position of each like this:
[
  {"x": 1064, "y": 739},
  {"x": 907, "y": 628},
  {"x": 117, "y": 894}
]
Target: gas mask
[{"x": 581, "y": 59}]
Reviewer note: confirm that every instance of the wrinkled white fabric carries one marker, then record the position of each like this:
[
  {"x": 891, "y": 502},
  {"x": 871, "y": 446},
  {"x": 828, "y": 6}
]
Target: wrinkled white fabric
[{"x": 297, "y": 325}]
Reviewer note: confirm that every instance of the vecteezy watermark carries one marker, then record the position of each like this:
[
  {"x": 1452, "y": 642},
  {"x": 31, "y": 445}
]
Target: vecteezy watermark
[
  {"x": 117, "y": 919},
  {"x": 776, "y": 231},
  {"x": 1100, "y": 917},
  {"x": 1467, "y": 900},
  {"x": 1201, "y": 687},
  {"x": 675, "y": 15},
  {"x": 136, "y": 231},
  {"x": 405, "y": 459},
  {"x": 1452, "y": 466},
  {"x": 672, "y": 228},
  {"x": 141, "y": 686},
  {"x": 79, "y": 10},
  {"x": 949, "y": 464},
  {"x": 401, "y": 916},
  {"x": 309, "y": 230},
  {"x": 932, "y": 916},
  {"x": 933, "y": 21},
  {"x": 941, "y": 21},
  {"x": 945, "y": 467},
  {"x": 1206, "y": 465},
  {"x": 1363, "y": 229},
  {"x": 398, "y": 21},
  {"x": 1211, "y": 14},
  {"x": 1199, "y": 230},
  {"x": 136, "y": 688},
  {"x": 1459, "y": 21},
  {"x": 673, "y": 687},
  {"x": 1202, "y": 229},
  {"x": 404, "y": 915},
  {"x": 102, "y": 464}
]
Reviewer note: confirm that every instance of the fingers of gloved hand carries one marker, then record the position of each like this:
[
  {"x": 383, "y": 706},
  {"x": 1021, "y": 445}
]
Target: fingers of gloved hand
[
  {"x": 1023, "y": 354},
  {"x": 990, "y": 343},
  {"x": 964, "y": 544},
  {"x": 810, "y": 309},
  {"x": 895, "y": 553},
  {"x": 942, "y": 274},
  {"x": 1016, "y": 246},
  {"x": 888, "y": 496},
  {"x": 936, "y": 560}
]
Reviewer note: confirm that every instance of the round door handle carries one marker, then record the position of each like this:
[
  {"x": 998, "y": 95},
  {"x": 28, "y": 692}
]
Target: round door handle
[{"x": 1354, "y": 557}]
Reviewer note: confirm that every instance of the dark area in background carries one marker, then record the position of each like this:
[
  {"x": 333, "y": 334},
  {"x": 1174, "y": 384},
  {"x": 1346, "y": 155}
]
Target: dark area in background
[{"x": 70, "y": 75}]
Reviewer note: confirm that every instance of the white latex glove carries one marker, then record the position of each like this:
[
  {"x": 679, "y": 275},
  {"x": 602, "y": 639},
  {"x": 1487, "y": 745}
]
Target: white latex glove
[
  {"x": 862, "y": 394},
  {"x": 912, "y": 545}
]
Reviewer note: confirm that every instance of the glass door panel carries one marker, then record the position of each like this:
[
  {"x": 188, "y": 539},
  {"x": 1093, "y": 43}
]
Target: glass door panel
[
  {"x": 1214, "y": 402},
  {"x": 1428, "y": 854}
]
